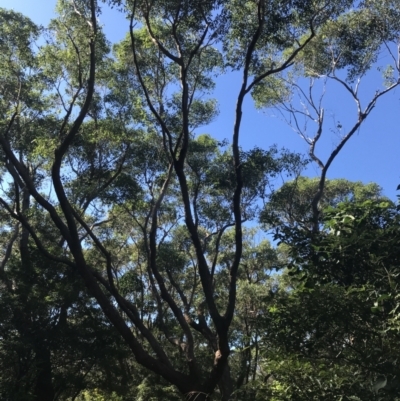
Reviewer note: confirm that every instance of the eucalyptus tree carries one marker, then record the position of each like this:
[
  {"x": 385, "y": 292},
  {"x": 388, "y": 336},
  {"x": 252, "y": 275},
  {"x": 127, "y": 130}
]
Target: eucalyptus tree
[
  {"x": 289, "y": 207},
  {"x": 338, "y": 59},
  {"x": 106, "y": 147}
]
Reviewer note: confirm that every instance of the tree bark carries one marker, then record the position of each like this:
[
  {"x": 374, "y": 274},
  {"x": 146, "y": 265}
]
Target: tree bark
[
  {"x": 44, "y": 390},
  {"x": 226, "y": 384}
]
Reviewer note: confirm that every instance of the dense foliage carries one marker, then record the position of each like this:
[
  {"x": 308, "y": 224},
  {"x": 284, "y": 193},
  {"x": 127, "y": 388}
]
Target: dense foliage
[{"x": 132, "y": 265}]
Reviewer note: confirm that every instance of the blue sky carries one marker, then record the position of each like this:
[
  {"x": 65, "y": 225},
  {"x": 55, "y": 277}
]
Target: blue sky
[{"x": 372, "y": 155}]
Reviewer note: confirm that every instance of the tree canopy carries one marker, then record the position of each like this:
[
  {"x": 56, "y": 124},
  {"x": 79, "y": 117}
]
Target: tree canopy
[{"x": 131, "y": 264}]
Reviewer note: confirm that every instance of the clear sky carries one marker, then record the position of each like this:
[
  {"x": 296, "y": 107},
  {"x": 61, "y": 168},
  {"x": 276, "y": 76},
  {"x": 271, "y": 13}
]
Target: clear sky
[{"x": 373, "y": 154}]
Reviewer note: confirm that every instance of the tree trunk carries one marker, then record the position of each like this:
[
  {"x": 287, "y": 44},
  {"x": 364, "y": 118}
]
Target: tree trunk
[
  {"x": 44, "y": 390},
  {"x": 226, "y": 384}
]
